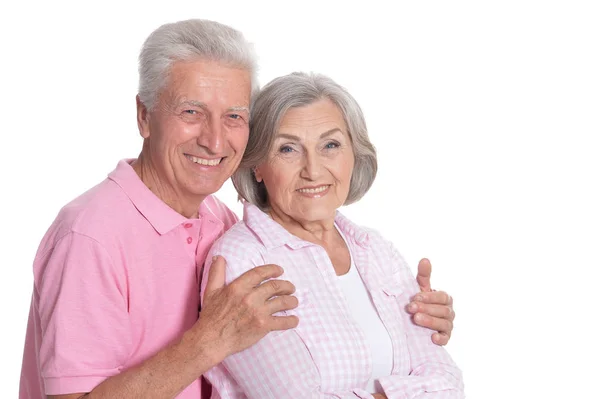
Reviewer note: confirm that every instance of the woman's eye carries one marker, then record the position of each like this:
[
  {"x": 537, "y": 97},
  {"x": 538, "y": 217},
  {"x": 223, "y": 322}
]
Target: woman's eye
[
  {"x": 332, "y": 145},
  {"x": 190, "y": 112},
  {"x": 286, "y": 149}
]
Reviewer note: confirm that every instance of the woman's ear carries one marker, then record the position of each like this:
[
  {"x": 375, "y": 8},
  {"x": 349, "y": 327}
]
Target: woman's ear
[{"x": 257, "y": 174}]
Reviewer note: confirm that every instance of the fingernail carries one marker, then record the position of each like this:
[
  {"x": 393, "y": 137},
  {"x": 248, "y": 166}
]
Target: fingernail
[
  {"x": 419, "y": 298},
  {"x": 214, "y": 258},
  {"x": 419, "y": 317},
  {"x": 413, "y": 307}
]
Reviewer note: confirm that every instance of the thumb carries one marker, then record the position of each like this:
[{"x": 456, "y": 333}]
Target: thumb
[
  {"x": 424, "y": 275},
  {"x": 216, "y": 275}
]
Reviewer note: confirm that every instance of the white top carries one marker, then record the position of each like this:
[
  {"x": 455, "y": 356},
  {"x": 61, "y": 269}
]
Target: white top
[{"x": 365, "y": 314}]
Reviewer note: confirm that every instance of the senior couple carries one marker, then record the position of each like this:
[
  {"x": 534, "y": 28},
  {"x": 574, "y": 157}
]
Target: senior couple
[{"x": 297, "y": 300}]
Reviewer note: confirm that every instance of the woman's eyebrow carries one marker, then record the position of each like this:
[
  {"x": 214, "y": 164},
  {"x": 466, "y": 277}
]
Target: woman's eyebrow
[
  {"x": 296, "y": 138},
  {"x": 330, "y": 132},
  {"x": 287, "y": 136}
]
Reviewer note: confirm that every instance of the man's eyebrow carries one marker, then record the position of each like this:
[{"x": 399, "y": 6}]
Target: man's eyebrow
[
  {"x": 239, "y": 109},
  {"x": 194, "y": 103},
  {"x": 296, "y": 138},
  {"x": 202, "y": 105}
]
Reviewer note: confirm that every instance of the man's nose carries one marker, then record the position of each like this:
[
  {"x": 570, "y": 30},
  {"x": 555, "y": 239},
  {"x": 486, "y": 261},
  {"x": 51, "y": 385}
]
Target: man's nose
[{"x": 212, "y": 136}]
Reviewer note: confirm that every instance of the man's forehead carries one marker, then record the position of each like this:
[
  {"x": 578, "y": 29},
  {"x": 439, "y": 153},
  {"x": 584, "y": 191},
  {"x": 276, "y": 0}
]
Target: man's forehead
[
  {"x": 196, "y": 88},
  {"x": 210, "y": 72}
]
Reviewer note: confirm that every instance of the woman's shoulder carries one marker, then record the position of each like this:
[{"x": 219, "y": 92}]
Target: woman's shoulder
[
  {"x": 381, "y": 249},
  {"x": 239, "y": 238},
  {"x": 361, "y": 234},
  {"x": 240, "y": 247}
]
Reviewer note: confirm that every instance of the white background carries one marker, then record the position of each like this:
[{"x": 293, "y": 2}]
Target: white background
[{"x": 485, "y": 116}]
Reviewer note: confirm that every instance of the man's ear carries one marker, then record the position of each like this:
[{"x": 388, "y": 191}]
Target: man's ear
[{"x": 142, "y": 118}]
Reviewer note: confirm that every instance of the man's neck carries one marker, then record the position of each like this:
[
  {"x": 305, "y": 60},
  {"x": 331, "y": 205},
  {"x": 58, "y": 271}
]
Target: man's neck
[{"x": 184, "y": 205}]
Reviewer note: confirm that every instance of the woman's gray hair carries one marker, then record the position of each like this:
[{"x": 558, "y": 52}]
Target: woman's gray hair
[
  {"x": 189, "y": 40},
  {"x": 268, "y": 109}
]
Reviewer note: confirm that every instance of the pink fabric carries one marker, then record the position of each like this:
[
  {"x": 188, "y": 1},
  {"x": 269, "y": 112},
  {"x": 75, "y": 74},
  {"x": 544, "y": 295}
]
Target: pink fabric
[
  {"x": 116, "y": 279},
  {"x": 327, "y": 356}
]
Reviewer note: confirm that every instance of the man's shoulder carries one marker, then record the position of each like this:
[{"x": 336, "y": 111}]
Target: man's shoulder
[
  {"x": 99, "y": 209},
  {"x": 219, "y": 210}
]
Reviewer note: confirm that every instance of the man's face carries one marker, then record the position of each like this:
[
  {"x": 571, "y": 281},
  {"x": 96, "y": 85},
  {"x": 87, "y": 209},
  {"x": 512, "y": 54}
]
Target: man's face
[{"x": 197, "y": 133}]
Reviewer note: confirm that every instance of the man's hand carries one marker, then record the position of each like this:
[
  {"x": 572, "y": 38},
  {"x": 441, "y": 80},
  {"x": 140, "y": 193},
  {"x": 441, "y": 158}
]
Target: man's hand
[
  {"x": 237, "y": 315},
  {"x": 432, "y": 309}
]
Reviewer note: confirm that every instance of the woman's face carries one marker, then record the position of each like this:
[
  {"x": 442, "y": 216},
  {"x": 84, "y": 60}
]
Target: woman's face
[{"x": 307, "y": 172}]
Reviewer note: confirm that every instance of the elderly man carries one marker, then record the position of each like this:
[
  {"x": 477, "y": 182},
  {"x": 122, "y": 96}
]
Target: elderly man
[{"x": 114, "y": 312}]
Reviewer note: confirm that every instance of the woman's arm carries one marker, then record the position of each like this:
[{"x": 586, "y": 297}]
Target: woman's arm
[{"x": 433, "y": 372}]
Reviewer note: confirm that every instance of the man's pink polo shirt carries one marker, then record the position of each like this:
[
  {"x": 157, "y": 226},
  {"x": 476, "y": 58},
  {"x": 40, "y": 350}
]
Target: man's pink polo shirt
[{"x": 116, "y": 279}]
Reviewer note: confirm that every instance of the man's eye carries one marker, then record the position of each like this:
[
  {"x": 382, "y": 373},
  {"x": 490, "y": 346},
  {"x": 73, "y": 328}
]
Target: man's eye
[
  {"x": 190, "y": 111},
  {"x": 235, "y": 116}
]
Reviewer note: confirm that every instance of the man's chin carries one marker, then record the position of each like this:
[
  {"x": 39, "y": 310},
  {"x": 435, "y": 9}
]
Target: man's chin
[{"x": 206, "y": 189}]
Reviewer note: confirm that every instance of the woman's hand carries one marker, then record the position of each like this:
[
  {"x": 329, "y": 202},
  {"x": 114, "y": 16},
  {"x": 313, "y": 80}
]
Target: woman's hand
[{"x": 432, "y": 309}]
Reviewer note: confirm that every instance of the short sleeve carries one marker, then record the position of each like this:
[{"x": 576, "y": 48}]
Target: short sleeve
[{"x": 83, "y": 314}]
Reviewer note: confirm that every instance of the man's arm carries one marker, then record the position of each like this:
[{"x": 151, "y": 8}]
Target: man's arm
[
  {"x": 233, "y": 317},
  {"x": 432, "y": 309}
]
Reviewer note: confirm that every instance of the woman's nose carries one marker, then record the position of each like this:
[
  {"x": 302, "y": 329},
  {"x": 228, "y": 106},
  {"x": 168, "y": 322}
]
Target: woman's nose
[{"x": 312, "y": 167}]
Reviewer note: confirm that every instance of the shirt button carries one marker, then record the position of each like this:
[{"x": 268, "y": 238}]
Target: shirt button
[
  {"x": 189, "y": 240},
  {"x": 187, "y": 225}
]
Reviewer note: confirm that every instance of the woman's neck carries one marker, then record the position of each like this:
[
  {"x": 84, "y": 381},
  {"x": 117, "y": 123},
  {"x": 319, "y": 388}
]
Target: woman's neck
[{"x": 321, "y": 232}]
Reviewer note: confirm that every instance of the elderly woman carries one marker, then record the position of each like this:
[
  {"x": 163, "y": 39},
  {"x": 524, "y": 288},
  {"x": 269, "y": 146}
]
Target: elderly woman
[{"x": 309, "y": 154}]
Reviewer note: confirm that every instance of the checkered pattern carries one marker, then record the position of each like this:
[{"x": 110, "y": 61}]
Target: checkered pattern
[{"x": 327, "y": 355}]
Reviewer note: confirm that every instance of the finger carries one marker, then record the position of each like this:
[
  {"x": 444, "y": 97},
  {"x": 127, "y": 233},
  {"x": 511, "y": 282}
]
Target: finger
[
  {"x": 278, "y": 323},
  {"x": 257, "y": 275},
  {"x": 433, "y": 323},
  {"x": 272, "y": 288},
  {"x": 281, "y": 303},
  {"x": 440, "y": 339},
  {"x": 216, "y": 275},
  {"x": 434, "y": 297},
  {"x": 441, "y": 311},
  {"x": 424, "y": 275}
]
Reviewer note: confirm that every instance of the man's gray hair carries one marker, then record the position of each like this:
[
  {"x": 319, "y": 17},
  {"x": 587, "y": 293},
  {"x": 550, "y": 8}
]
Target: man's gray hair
[
  {"x": 187, "y": 41},
  {"x": 268, "y": 109}
]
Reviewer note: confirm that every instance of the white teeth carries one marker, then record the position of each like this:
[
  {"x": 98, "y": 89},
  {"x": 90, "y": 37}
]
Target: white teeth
[
  {"x": 202, "y": 161},
  {"x": 313, "y": 190}
]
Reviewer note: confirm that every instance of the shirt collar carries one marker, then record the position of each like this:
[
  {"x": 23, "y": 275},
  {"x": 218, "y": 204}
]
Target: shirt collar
[
  {"x": 161, "y": 216},
  {"x": 351, "y": 230},
  {"x": 273, "y": 235}
]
